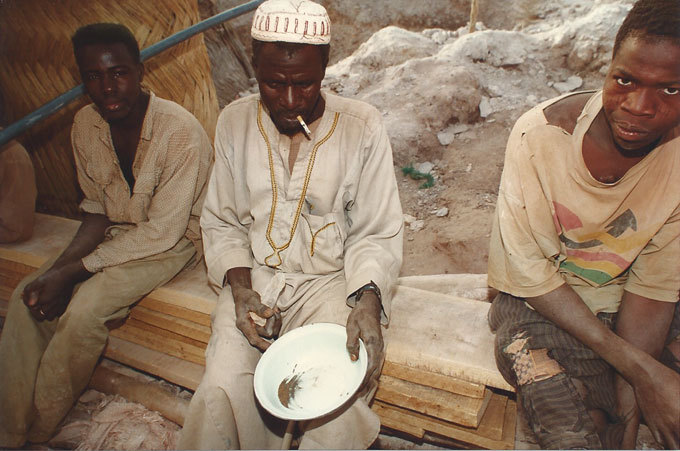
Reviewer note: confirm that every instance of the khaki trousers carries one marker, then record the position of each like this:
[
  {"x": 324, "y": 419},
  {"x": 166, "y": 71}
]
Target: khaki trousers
[
  {"x": 224, "y": 413},
  {"x": 44, "y": 366}
]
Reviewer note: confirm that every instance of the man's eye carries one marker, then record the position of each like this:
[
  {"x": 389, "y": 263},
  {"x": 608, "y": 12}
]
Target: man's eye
[
  {"x": 623, "y": 81},
  {"x": 671, "y": 91}
]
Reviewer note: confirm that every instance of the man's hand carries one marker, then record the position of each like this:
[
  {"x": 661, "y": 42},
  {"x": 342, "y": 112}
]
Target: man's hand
[
  {"x": 658, "y": 396},
  {"x": 364, "y": 323},
  {"x": 48, "y": 296},
  {"x": 247, "y": 301},
  {"x": 655, "y": 389}
]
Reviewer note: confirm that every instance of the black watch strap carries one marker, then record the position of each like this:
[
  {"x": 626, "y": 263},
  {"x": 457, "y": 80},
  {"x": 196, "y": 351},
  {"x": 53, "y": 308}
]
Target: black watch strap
[{"x": 371, "y": 286}]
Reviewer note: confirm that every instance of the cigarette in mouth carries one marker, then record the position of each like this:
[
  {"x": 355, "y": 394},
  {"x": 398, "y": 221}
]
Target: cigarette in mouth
[{"x": 306, "y": 129}]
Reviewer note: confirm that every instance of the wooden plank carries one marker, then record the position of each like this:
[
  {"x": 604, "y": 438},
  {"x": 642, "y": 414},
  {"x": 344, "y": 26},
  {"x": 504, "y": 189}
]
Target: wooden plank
[
  {"x": 51, "y": 234},
  {"x": 430, "y": 379},
  {"x": 493, "y": 420},
  {"x": 469, "y": 286},
  {"x": 189, "y": 290},
  {"x": 509, "y": 425},
  {"x": 3, "y": 308},
  {"x": 394, "y": 419},
  {"x": 172, "y": 369},
  {"x": 442, "y": 334},
  {"x": 161, "y": 340},
  {"x": 136, "y": 324},
  {"x": 471, "y": 436},
  {"x": 173, "y": 310},
  {"x": 458, "y": 409},
  {"x": 167, "y": 322}
]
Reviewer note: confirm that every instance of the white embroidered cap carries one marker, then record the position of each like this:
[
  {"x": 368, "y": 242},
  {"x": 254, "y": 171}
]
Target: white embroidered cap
[{"x": 298, "y": 21}]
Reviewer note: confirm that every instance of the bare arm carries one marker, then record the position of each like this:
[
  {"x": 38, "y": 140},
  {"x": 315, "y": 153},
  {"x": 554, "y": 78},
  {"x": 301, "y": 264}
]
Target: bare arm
[
  {"x": 644, "y": 323},
  {"x": 48, "y": 295},
  {"x": 655, "y": 386}
]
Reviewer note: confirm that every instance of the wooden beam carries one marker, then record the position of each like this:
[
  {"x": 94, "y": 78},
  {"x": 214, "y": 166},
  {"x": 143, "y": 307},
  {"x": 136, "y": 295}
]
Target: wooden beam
[
  {"x": 396, "y": 420},
  {"x": 435, "y": 380},
  {"x": 455, "y": 408},
  {"x": 502, "y": 415},
  {"x": 171, "y": 323},
  {"x": 151, "y": 303},
  {"x": 172, "y": 369},
  {"x": 161, "y": 340}
]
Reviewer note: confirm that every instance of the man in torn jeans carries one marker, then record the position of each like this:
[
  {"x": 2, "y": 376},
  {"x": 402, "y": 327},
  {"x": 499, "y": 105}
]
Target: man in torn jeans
[{"x": 586, "y": 246}]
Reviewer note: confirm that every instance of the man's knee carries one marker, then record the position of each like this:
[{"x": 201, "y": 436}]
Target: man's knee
[
  {"x": 210, "y": 422},
  {"x": 529, "y": 365},
  {"x": 553, "y": 401}
]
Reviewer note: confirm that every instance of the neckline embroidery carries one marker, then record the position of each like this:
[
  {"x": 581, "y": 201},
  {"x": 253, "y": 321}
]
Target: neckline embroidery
[{"x": 310, "y": 165}]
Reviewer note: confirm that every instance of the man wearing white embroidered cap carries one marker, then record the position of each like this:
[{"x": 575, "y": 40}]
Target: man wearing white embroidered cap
[{"x": 302, "y": 224}]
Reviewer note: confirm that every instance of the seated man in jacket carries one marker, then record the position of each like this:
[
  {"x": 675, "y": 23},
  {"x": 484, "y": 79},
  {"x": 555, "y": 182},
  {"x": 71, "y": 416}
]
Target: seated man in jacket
[
  {"x": 585, "y": 249},
  {"x": 142, "y": 164},
  {"x": 302, "y": 224}
]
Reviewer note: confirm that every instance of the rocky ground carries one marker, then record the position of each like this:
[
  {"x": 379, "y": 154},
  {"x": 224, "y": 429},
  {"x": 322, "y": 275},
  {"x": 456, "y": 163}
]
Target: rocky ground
[{"x": 449, "y": 99}]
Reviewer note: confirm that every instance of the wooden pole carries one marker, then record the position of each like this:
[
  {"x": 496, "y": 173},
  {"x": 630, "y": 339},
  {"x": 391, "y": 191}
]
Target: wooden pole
[
  {"x": 473, "y": 15},
  {"x": 288, "y": 436},
  {"x": 151, "y": 396}
]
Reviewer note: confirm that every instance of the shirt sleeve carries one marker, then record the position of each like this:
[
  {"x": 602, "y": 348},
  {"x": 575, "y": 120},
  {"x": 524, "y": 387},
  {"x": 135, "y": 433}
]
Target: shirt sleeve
[
  {"x": 655, "y": 273},
  {"x": 169, "y": 209},
  {"x": 225, "y": 231},
  {"x": 90, "y": 202},
  {"x": 374, "y": 245},
  {"x": 524, "y": 243}
]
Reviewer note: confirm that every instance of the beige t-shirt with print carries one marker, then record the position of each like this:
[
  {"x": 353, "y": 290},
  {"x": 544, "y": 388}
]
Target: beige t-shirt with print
[{"x": 555, "y": 223}]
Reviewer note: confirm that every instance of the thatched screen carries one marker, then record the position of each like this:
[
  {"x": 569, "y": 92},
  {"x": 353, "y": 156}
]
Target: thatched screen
[{"x": 38, "y": 65}]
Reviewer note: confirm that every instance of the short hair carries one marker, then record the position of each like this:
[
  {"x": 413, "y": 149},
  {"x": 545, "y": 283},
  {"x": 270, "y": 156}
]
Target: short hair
[
  {"x": 105, "y": 33},
  {"x": 651, "y": 20},
  {"x": 291, "y": 48}
]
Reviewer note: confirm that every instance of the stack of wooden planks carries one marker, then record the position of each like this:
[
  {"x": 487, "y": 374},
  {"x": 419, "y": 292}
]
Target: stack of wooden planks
[
  {"x": 464, "y": 413},
  {"x": 439, "y": 376}
]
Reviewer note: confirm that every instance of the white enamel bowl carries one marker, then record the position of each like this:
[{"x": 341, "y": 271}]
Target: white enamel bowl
[{"x": 311, "y": 368}]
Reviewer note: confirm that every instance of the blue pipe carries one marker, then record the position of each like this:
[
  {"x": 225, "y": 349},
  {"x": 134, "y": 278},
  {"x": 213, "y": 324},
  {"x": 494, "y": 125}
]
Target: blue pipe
[{"x": 58, "y": 103}]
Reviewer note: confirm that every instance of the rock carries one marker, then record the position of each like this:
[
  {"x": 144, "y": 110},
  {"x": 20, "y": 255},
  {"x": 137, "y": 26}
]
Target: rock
[
  {"x": 387, "y": 47},
  {"x": 417, "y": 225},
  {"x": 485, "y": 107},
  {"x": 425, "y": 167},
  {"x": 438, "y": 35},
  {"x": 408, "y": 219},
  {"x": 571, "y": 83},
  {"x": 495, "y": 47},
  {"x": 442, "y": 212},
  {"x": 445, "y": 137}
]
